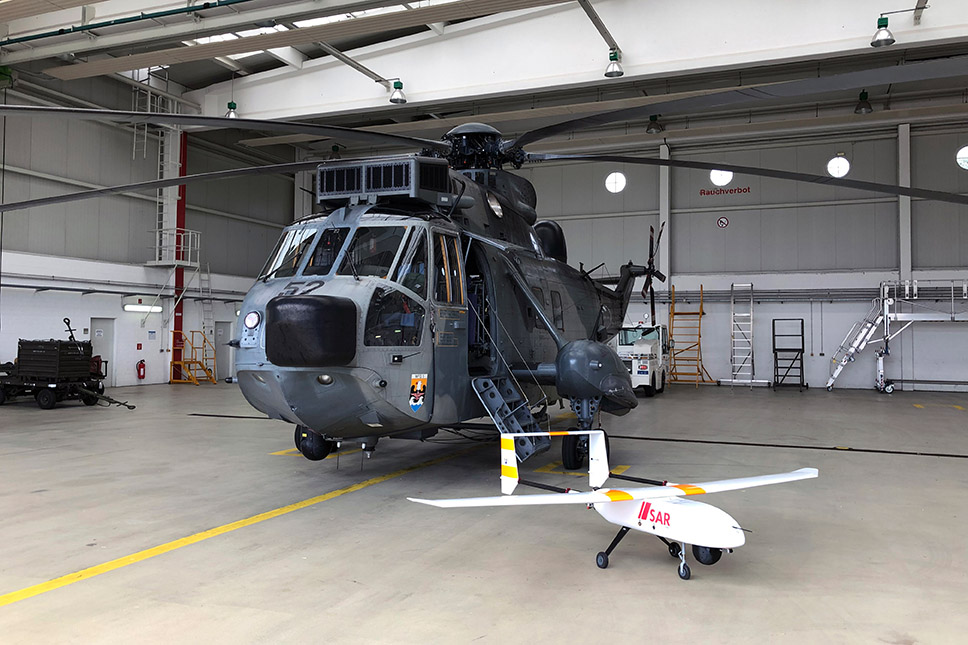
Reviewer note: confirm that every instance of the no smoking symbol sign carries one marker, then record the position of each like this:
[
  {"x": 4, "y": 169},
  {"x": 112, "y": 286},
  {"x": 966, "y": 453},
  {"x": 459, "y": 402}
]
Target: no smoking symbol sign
[{"x": 722, "y": 222}]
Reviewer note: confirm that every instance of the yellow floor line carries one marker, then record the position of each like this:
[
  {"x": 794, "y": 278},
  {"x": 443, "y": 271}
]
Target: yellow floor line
[
  {"x": 90, "y": 572},
  {"x": 918, "y": 405},
  {"x": 555, "y": 468}
]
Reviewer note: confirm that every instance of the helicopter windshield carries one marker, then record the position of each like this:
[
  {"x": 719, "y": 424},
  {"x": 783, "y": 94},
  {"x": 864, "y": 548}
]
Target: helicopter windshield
[
  {"x": 289, "y": 253},
  {"x": 412, "y": 270},
  {"x": 631, "y": 336},
  {"x": 324, "y": 255},
  {"x": 372, "y": 251}
]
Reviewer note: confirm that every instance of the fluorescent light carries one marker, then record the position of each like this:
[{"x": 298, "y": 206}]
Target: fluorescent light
[{"x": 144, "y": 309}]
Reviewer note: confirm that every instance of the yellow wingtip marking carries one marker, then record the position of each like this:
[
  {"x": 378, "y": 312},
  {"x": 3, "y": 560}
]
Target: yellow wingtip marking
[
  {"x": 618, "y": 495},
  {"x": 689, "y": 489}
]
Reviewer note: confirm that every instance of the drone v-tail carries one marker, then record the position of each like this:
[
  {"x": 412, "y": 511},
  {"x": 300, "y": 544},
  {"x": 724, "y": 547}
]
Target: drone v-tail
[{"x": 658, "y": 509}]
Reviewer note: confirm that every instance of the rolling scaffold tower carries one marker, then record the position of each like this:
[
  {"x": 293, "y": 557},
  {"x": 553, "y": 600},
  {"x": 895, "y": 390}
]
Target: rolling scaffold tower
[{"x": 905, "y": 302}]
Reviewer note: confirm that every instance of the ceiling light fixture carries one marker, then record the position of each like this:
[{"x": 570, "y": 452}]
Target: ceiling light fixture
[
  {"x": 863, "y": 105},
  {"x": 232, "y": 114},
  {"x": 614, "y": 69},
  {"x": 397, "y": 96},
  {"x": 883, "y": 36},
  {"x": 654, "y": 126}
]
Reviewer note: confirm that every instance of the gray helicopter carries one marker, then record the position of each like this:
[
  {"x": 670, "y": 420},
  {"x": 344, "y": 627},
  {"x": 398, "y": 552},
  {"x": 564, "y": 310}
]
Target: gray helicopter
[
  {"x": 428, "y": 294},
  {"x": 428, "y": 297}
]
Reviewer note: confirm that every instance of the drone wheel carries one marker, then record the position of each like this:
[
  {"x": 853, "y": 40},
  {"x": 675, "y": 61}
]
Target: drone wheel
[
  {"x": 571, "y": 457},
  {"x": 601, "y": 560},
  {"x": 674, "y": 549},
  {"x": 684, "y": 571}
]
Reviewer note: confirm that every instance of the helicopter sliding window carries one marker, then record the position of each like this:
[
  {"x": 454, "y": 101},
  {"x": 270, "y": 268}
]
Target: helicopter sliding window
[
  {"x": 412, "y": 270},
  {"x": 556, "y": 310},
  {"x": 324, "y": 255},
  {"x": 393, "y": 320},
  {"x": 289, "y": 253},
  {"x": 448, "y": 270},
  {"x": 372, "y": 251}
]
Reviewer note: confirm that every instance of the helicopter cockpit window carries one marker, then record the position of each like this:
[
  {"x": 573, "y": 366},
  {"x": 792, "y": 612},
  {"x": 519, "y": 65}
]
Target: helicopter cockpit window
[
  {"x": 412, "y": 270},
  {"x": 289, "y": 253},
  {"x": 372, "y": 251},
  {"x": 448, "y": 270},
  {"x": 324, "y": 255},
  {"x": 393, "y": 320}
]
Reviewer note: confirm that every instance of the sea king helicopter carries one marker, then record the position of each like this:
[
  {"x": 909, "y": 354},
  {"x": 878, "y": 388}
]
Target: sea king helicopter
[{"x": 428, "y": 293}]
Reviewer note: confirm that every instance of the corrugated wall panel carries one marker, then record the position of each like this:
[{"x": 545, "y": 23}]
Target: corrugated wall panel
[{"x": 939, "y": 231}]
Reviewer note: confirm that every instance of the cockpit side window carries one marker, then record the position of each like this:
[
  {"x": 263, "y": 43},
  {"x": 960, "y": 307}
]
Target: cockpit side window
[
  {"x": 324, "y": 255},
  {"x": 393, "y": 320},
  {"x": 412, "y": 270},
  {"x": 448, "y": 270},
  {"x": 289, "y": 253},
  {"x": 372, "y": 251}
]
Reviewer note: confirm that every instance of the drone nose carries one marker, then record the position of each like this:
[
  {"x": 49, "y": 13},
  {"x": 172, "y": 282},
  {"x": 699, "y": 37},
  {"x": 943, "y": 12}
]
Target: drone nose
[{"x": 310, "y": 331}]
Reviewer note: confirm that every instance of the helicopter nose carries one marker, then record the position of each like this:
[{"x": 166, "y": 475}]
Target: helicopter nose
[{"x": 310, "y": 331}]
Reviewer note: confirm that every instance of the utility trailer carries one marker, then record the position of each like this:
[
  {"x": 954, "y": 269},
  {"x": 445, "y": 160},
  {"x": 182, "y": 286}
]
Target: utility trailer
[{"x": 52, "y": 371}]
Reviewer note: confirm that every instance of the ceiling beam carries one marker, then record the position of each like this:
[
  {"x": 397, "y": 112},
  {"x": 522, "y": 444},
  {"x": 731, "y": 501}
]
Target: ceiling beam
[
  {"x": 189, "y": 29},
  {"x": 288, "y": 55},
  {"x": 464, "y": 9},
  {"x": 17, "y": 9}
]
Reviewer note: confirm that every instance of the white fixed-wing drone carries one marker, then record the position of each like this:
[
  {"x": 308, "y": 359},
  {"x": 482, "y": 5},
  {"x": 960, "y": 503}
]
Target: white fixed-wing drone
[{"x": 659, "y": 509}]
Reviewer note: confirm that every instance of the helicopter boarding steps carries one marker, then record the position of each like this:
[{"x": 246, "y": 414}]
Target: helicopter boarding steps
[
  {"x": 901, "y": 301},
  {"x": 511, "y": 414}
]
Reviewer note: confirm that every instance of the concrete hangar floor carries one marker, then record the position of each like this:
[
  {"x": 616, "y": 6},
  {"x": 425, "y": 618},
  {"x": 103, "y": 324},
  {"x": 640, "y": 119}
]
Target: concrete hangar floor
[{"x": 108, "y": 515}]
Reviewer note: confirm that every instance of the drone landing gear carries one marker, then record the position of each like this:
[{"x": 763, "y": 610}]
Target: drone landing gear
[
  {"x": 678, "y": 550},
  {"x": 602, "y": 558}
]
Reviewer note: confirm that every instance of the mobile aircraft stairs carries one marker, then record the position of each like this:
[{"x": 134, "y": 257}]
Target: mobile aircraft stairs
[
  {"x": 856, "y": 340},
  {"x": 685, "y": 330},
  {"x": 197, "y": 362},
  {"x": 511, "y": 413}
]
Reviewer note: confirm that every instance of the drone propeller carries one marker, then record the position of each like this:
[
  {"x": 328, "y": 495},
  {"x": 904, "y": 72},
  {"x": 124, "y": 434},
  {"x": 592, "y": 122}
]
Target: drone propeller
[
  {"x": 750, "y": 96},
  {"x": 288, "y": 127},
  {"x": 889, "y": 189}
]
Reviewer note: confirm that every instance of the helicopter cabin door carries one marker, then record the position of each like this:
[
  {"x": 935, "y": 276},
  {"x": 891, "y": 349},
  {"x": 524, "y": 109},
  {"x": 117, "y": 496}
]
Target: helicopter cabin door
[{"x": 452, "y": 385}]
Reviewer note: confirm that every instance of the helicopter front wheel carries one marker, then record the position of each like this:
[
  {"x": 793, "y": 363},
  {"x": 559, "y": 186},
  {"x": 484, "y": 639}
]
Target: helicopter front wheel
[
  {"x": 572, "y": 455},
  {"x": 312, "y": 445}
]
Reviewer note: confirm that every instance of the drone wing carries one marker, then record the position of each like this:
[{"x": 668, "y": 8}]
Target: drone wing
[{"x": 616, "y": 495}]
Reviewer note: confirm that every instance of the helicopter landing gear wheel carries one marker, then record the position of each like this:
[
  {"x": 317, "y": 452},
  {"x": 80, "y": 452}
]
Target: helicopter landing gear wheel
[
  {"x": 313, "y": 445},
  {"x": 889, "y": 388},
  {"x": 572, "y": 456},
  {"x": 706, "y": 555},
  {"x": 601, "y": 560},
  {"x": 684, "y": 571}
]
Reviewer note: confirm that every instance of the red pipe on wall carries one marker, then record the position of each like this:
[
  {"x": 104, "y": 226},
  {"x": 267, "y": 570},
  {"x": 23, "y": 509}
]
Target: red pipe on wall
[{"x": 178, "y": 342}]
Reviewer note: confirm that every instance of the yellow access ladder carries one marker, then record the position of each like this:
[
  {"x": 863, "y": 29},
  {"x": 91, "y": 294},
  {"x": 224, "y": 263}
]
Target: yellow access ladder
[
  {"x": 685, "y": 330},
  {"x": 197, "y": 358}
]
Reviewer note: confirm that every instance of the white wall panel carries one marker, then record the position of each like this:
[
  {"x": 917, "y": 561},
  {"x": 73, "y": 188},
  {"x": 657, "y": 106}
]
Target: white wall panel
[{"x": 939, "y": 231}]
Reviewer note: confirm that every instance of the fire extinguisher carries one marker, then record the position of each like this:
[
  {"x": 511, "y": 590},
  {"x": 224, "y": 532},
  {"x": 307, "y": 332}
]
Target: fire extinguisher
[{"x": 141, "y": 370}]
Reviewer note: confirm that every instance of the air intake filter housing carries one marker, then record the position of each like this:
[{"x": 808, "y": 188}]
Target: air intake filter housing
[{"x": 423, "y": 178}]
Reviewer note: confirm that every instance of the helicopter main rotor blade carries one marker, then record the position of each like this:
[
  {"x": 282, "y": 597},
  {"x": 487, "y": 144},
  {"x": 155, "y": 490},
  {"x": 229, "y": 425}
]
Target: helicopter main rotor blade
[
  {"x": 767, "y": 94},
  {"x": 263, "y": 125},
  {"x": 875, "y": 187},
  {"x": 160, "y": 183}
]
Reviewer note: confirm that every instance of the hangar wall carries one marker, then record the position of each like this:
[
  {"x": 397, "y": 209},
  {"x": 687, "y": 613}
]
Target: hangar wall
[
  {"x": 103, "y": 244},
  {"x": 782, "y": 235}
]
